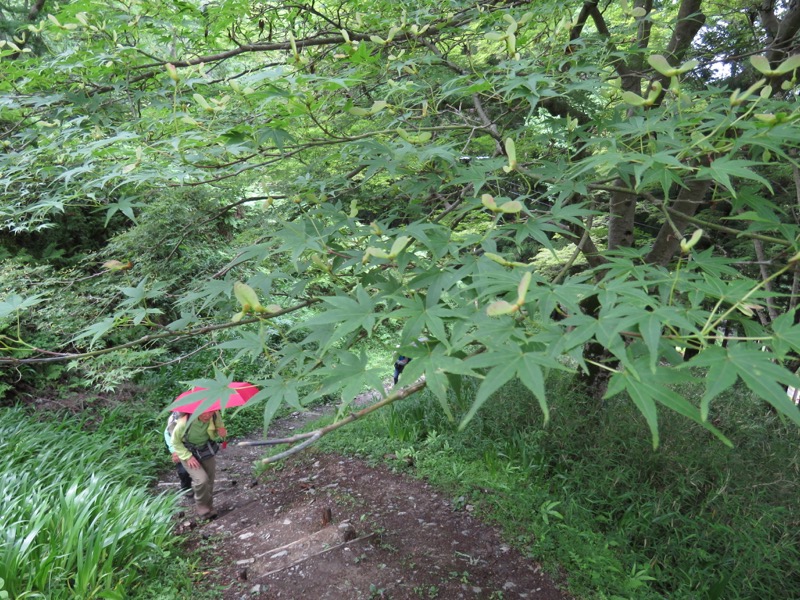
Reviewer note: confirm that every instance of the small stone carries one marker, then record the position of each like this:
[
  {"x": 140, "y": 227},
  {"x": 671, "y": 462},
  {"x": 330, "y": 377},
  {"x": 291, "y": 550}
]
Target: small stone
[
  {"x": 347, "y": 532},
  {"x": 245, "y": 561},
  {"x": 256, "y": 589},
  {"x": 244, "y": 536},
  {"x": 279, "y": 554}
]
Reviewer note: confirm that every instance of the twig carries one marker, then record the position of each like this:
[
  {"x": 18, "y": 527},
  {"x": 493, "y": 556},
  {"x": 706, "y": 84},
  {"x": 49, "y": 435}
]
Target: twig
[
  {"x": 275, "y": 442},
  {"x": 61, "y": 357},
  {"x": 297, "y": 562},
  {"x": 294, "y": 449},
  {"x": 578, "y": 249}
]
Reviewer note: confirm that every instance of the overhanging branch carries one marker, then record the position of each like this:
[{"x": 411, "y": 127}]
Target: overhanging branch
[
  {"x": 66, "y": 356},
  {"x": 312, "y": 437}
]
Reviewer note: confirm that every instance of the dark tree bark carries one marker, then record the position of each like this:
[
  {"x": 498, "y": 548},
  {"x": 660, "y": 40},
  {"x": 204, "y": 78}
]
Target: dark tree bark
[
  {"x": 621, "y": 219},
  {"x": 37, "y": 7},
  {"x": 669, "y": 236}
]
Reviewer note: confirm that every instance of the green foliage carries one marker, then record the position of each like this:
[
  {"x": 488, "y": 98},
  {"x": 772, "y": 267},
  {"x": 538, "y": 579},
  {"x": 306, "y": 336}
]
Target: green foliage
[
  {"x": 79, "y": 519},
  {"x": 588, "y": 497},
  {"x": 402, "y": 174}
]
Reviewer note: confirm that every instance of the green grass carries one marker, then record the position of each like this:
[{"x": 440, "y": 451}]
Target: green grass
[
  {"x": 589, "y": 498},
  {"x": 79, "y": 518}
]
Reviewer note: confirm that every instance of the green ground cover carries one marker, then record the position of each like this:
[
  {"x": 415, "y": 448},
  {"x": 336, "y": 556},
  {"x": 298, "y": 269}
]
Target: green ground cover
[{"x": 606, "y": 514}]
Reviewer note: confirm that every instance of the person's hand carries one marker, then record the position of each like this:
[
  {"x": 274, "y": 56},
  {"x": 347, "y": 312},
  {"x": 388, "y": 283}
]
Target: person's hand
[
  {"x": 222, "y": 432},
  {"x": 175, "y": 458},
  {"x": 193, "y": 463}
]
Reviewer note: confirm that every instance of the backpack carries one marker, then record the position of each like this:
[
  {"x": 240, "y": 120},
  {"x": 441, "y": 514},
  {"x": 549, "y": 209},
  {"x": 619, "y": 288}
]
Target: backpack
[{"x": 201, "y": 452}]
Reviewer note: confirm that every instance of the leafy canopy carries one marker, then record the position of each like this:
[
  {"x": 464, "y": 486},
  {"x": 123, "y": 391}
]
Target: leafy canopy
[{"x": 401, "y": 167}]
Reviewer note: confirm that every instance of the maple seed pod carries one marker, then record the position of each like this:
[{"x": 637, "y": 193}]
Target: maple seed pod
[
  {"x": 246, "y": 296},
  {"x": 488, "y": 201},
  {"x": 686, "y": 246},
  {"x": 497, "y": 258},
  {"x": 398, "y": 246},
  {"x": 319, "y": 262},
  {"x": 660, "y": 63},
  {"x": 522, "y": 288},
  {"x": 501, "y": 307},
  {"x": 510, "y": 207}
]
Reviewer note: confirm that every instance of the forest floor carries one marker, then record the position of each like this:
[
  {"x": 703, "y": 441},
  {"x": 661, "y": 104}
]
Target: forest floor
[{"x": 326, "y": 526}]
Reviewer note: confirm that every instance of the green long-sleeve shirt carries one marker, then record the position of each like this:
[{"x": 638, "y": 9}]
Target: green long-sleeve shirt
[{"x": 197, "y": 433}]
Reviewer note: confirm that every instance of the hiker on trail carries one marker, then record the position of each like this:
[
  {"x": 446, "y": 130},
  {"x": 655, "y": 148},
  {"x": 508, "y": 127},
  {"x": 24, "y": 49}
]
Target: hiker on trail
[
  {"x": 399, "y": 365},
  {"x": 402, "y": 361},
  {"x": 183, "y": 475},
  {"x": 196, "y": 446}
]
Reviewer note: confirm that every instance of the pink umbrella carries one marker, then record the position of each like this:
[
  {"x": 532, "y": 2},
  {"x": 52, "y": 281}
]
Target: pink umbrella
[{"x": 243, "y": 391}]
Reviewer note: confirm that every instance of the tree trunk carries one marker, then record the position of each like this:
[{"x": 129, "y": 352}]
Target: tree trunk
[
  {"x": 621, "y": 219},
  {"x": 671, "y": 233}
]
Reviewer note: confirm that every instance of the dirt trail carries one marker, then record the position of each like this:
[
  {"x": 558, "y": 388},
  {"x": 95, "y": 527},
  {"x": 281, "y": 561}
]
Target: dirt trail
[{"x": 332, "y": 527}]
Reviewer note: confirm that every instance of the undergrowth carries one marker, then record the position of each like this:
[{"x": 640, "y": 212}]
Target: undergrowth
[
  {"x": 80, "y": 521},
  {"x": 589, "y": 498},
  {"x": 80, "y": 517}
]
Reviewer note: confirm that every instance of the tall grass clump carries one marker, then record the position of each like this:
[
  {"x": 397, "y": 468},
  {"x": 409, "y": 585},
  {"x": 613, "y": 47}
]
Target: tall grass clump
[
  {"x": 78, "y": 519},
  {"x": 588, "y": 496}
]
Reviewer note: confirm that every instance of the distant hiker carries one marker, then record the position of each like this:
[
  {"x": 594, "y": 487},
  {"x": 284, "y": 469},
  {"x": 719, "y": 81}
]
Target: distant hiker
[
  {"x": 183, "y": 475},
  {"x": 196, "y": 446},
  {"x": 402, "y": 361},
  {"x": 399, "y": 365}
]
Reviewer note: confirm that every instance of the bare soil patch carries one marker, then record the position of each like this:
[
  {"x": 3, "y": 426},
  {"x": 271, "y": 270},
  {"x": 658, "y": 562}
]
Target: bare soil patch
[{"x": 333, "y": 527}]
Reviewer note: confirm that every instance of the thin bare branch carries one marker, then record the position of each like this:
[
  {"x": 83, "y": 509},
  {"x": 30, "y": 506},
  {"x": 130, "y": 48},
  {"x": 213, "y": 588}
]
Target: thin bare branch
[
  {"x": 66, "y": 356},
  {"x": 313, "y": 436}
]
